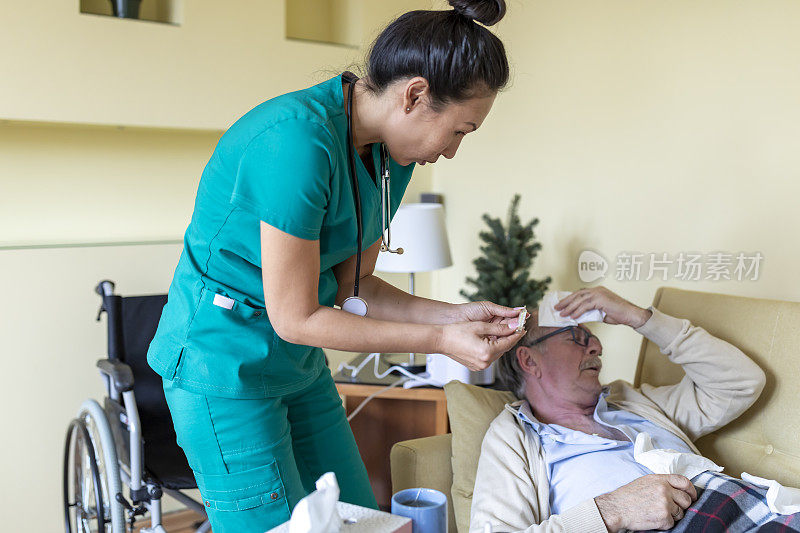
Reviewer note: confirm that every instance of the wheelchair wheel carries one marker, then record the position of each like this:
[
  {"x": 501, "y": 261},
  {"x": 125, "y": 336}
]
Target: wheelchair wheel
[
  {"x": 94, "y": 418},
  {"x": 83, "y": 498}
]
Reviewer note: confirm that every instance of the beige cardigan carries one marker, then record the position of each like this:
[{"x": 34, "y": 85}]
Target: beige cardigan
[{"x": 512, "y": 491}]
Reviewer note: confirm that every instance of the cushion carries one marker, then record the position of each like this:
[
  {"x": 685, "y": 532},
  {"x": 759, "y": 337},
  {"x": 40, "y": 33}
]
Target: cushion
[
  {"x": 764, "y": 440},
  {"x": 471, "y": 410}
]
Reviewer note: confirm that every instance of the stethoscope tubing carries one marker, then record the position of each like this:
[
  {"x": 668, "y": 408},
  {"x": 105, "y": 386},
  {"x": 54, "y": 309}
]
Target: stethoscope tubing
[
  {"x": 354, "y": 180},
  {"x": 356, "y": 304}
]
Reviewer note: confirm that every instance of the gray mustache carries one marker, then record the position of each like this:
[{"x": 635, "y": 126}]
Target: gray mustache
[{"x": 594, "y": 362}]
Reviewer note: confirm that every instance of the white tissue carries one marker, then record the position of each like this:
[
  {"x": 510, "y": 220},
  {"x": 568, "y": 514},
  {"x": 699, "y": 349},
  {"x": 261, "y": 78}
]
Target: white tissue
[
  {"x": 316, "y": 513},
  {"x": 549, "y": 317},
  {"x": 781, "y": 500},
  {"x": 668, "y": 461}
]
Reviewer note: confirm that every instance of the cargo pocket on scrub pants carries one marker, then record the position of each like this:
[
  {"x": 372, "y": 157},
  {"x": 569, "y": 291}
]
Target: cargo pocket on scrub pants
[{"x": 245, "y": 490}]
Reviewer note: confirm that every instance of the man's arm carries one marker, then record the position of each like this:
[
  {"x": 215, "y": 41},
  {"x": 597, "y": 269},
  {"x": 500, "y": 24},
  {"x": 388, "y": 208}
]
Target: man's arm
[
  {"x": 721, "y": 382},
  {"x": 508, "y": 489},
  {"x": 505, "y": 493}
]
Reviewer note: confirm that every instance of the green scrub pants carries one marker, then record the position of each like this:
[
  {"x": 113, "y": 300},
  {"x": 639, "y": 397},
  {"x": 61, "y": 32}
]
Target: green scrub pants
[{"x": 255, "y": 459}]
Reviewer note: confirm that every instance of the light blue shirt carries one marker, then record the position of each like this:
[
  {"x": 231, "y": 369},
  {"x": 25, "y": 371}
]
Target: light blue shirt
[{"x": 582, "y": 466}]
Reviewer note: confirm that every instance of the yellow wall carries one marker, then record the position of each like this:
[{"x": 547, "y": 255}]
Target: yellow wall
[
  {"x": 154, "y": 10},
  {"x": 105, "y": 126},
  {"x": 50, "y": 343},
  {"x": 640, "y": 126},
  {"x": 345, "y": 22},
  {"x": 80, "y": 184},
  {"x": 311, "y": 20},
  {"x": 334, "y": 21},
  {"x": 60, "y": 65}
]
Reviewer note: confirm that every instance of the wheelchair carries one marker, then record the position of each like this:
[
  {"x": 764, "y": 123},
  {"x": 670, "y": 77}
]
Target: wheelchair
[{"x": 128, "y": 440}]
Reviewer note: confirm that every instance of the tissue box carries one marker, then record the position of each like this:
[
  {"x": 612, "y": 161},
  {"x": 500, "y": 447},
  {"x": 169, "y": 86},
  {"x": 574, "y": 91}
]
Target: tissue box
[{"x": 362, "y": 520}]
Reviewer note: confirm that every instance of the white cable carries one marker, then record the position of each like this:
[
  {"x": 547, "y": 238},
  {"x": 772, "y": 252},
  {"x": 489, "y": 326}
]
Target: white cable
[
  {"x": 375, "y": 355},
  {"x": 371, "y": 396},
  {"x": 410, "y": 380},
  {"x": 356, "y": 369},
  {"x": 422, "y": 380}
]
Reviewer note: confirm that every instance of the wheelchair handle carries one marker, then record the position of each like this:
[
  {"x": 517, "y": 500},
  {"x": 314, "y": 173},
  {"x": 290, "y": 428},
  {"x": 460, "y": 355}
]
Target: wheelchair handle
[
  {"x": 105, "y": 288},
  {"x": 112, "y": 305}
]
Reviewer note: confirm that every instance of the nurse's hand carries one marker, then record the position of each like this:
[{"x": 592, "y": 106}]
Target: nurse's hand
[
  {"x": 484, "y": 312},
  {"x": 477, "y": 345}
]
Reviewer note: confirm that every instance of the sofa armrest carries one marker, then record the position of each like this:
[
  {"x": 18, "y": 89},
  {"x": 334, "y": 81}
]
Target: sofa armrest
[{"x": 425, "y": 463}]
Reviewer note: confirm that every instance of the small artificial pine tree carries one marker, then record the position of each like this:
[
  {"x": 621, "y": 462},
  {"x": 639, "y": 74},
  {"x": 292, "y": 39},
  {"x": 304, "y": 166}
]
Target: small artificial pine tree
[{"x": 504, "y": 267}]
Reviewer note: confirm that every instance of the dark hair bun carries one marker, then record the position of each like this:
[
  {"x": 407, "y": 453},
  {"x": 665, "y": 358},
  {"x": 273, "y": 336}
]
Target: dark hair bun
[{"x": 487, "y": 12}]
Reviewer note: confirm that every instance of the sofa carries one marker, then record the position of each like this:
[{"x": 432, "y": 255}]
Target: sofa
[{"x": 764, "y": 441}]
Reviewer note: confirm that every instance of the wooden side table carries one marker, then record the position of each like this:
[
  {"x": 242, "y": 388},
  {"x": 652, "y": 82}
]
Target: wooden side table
[{"x": 395, "y": 415}]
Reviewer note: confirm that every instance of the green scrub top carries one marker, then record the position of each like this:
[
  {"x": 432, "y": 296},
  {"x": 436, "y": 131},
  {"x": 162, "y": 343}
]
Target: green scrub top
[{"x": 284, "y": 162}]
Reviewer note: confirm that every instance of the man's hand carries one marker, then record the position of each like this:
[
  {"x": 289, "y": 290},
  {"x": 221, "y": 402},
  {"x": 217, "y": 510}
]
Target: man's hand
[
  {"x": 618, "y": 310},
  {"x": 655, "y": 501}
]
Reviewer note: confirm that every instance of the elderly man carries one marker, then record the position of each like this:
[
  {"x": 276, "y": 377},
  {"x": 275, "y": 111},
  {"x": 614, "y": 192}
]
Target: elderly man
[{"x": 561, "y": 459}]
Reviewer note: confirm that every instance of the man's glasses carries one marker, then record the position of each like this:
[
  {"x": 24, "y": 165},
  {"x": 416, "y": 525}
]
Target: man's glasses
[{"x": 580, "y": 336}]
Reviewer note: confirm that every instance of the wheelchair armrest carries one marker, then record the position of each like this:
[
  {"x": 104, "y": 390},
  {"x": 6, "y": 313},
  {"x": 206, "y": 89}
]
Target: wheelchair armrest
[{"x": 120, "y": 373}]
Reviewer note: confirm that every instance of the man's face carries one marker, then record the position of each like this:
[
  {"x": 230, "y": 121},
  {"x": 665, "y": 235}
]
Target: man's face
[{"x": 567, "y": 370}]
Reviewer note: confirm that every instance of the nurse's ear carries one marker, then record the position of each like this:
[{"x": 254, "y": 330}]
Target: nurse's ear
[{"x": 416, "y": 91}]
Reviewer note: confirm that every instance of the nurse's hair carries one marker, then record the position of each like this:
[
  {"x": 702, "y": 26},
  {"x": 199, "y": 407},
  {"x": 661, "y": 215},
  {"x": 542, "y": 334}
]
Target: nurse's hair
[{"x": 459, "y": 57}]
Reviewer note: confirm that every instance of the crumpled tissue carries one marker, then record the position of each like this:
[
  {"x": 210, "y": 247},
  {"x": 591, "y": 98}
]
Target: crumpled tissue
[
  {"x": 316, "y": 513},
  {"x": 780, "y": 499},
  {"x": 668, "y": 461},
  {"x": 549, "y": 317}
]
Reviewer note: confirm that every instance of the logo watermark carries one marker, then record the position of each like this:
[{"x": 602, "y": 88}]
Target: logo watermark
[
  {"x": 682, "y": 266},
  {"x": 591, "y": 266}
]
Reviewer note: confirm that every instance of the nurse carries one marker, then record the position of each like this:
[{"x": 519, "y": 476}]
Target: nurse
[{"x": 272, "y": 246}]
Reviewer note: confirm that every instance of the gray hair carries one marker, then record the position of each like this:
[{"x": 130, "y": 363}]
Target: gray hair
[{"x": 507, "y": 367}]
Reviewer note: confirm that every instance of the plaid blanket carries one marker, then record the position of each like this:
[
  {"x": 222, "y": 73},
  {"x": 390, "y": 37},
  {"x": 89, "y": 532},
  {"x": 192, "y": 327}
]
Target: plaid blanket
[{"x": 727, "y": 504}]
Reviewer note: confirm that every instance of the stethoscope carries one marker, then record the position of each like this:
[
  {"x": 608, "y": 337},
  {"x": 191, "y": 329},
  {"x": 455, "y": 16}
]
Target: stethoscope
[{"x": 355, "y": 304}]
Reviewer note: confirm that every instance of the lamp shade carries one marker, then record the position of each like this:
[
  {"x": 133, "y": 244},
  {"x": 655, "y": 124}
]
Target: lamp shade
[{"x": 420, "y": 231}]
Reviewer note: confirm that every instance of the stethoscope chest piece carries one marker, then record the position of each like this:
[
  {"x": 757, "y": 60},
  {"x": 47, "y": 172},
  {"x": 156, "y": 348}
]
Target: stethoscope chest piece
[{"x": 355, "y": 305}]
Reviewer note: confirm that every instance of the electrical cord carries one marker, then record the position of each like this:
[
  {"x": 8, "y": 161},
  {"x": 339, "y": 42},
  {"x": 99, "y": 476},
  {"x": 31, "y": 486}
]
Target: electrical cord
[
  {"x": 408, "y": 380},
  {"x": 373, "y": 395},
  {"x": 413, "y": 379}
]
